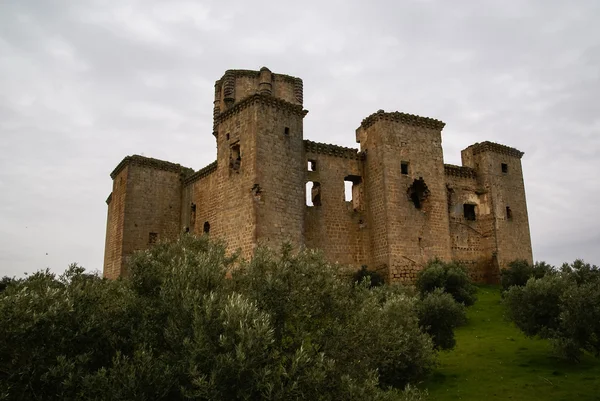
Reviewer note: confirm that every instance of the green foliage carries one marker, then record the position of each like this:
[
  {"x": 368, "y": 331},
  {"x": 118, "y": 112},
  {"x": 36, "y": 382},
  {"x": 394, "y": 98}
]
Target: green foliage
[
  {"x": 285, "y": 326},
  {"x": 439, "y": 314},
  {"x": 5, "y": 282},
  {"x": 374, "y": 279},
  {"x": 519, "y": 271},
  {"x": 562, "y": 307},
  {"x": 452, "y": 278}
]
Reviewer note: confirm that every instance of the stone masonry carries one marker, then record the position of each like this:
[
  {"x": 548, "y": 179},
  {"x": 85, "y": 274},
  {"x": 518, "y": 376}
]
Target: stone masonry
[{"x": 270, "y": 185}]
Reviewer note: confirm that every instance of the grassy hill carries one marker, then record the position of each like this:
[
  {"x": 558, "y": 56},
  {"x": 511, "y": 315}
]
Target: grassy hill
[{"x": 494, "y": 361}]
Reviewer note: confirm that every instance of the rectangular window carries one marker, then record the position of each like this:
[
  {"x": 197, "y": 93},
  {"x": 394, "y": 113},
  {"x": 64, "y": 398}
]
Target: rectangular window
[
  {"x": 504, "y": 167},
  {"x": 469, "y": 211},
  {"x": 508, "y": 213},
  {"x": 235, "y": 158},
  {"x": 312, "y": 165},
  {"x": 286, "y": 131},
  {"x": 404, "y": 168}
]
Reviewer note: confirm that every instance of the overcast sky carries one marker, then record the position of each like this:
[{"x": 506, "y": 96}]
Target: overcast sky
[{"x": 84, "y": 83}]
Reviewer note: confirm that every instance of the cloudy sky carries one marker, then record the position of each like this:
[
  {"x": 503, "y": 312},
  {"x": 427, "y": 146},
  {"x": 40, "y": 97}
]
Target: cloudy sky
[{"x": 84, "y": 83}]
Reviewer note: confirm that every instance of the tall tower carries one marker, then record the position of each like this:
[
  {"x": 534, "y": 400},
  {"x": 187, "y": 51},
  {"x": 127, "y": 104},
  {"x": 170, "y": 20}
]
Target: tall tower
[
  {"x": 405, "y": 185},
  {"x": 500, "y": 176},
  {"x": 258, "y": 125}
]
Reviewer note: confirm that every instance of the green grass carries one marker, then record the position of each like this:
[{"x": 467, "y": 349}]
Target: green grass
[{"x": 493, "y": 360}]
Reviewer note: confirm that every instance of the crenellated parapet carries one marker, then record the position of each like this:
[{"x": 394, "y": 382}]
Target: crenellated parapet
[
  {"x": 404, "y": 118},
  {"x": 459, "y": 171},
  {"x": 157, "y": 164},
  {"x": 488, "y": 146},
  {"x": 332, "y": 150},
  {"x": 203, "y": 172},
  {"x": 263, "y": 100}
]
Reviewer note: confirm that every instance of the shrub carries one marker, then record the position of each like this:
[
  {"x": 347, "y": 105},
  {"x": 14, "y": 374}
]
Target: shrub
[
  {"x": 451, "y": 278},
  {"x": 439, "y": 314},
  {"x": 285, "y": 326},
  {"x": 519, "y": 271},
  {"x": 563, "y": 307},
  {"x": 374, "y": 279}
]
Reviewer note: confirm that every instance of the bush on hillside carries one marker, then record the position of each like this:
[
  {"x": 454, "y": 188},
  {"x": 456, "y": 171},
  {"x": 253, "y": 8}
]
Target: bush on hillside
[
  {"x": 563, "y": 307},
  {"x": 374, "y": 279},
  {"x": 452, "y": 278},
  {"x": 439, "y": 314},
  {"x": 285, "y": 326},
  {"x": 519, "y": 271}
]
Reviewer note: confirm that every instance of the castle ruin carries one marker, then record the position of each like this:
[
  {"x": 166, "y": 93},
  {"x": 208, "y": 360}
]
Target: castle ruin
[{"x": 269, "y": 185}]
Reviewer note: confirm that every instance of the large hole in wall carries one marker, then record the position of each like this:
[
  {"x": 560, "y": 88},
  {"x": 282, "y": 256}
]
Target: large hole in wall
[
  {"x": 352, "y": 190},
  {"x": 313, "y": 194},
  {"x": 418, "y": 192},
  {"x": 469, "y": 211}
]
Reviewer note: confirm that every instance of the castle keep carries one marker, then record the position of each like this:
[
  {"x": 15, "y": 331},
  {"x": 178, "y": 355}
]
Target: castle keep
[{"x": 269, "y": 185}]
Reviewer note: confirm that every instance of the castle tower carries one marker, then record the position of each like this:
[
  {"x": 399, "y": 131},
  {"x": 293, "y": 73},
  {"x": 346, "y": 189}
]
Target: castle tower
[
  {"x": 258, "y": 125},
  {"x": 500, "y": 178},
  {"x": 405, "y": 185},
  {"x": 143, "y": 208}
]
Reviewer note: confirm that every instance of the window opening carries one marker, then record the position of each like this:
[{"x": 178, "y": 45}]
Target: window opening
[
  {"x": 235, "y": 158},
  {"x": 504, "y": 167},
  {"x": 312, "y": 165},
  {"x": 206, "y": 227},
  {"x": 152, "y": 238},
  {"x": 227, "y": 136},
  {"x": 286, "y": 131},
  {"x": 352, "y": 190},
  {"x": 348, "y": 191},
  {"x": 404, "y": 168},
  {"x": 418, "y": 192},
  {"x": 469, "y": 211},
  {"x": 508, "y": 213},
  {"x": 313, "y": 194}
]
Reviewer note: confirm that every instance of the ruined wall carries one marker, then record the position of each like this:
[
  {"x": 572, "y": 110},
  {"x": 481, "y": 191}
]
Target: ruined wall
[
  {"x": 278, "y": 189},
  {"x": 199, "y": 201},
  {"x": 410, "y": 201},
  {"x": 407, "y": 207},
  {"x": 113, "y": 251},
  {"x": 500, "y": 175},
  {"x": 336, "y": 226},
  {"x": 471, "y": 236}
]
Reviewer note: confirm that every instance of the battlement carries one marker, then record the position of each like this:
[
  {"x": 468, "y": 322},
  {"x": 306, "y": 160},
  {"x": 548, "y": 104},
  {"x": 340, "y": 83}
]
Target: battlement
[
  {"x": 151, "y": 163},
  {"x": 488, "y": 146},
  {"x": 404, "y": 118},
  {"x": 262, "y": 99},
  {"x": 203, "y": 172},
  {"x": 332, "y": 150},
  {"x": 459, "y": 171}
]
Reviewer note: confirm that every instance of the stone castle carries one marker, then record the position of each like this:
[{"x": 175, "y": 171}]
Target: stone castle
[{"x": 270, "y": 185}]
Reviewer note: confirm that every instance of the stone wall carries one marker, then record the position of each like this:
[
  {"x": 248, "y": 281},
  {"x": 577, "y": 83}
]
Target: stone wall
[
  {"x": 405, "y": 171},
  {"x": 336, "y": 226},
  {"x": 113, "y": 251},
  {"x": 407, "y": 206},
  {"x": 500, "y": 175}
]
